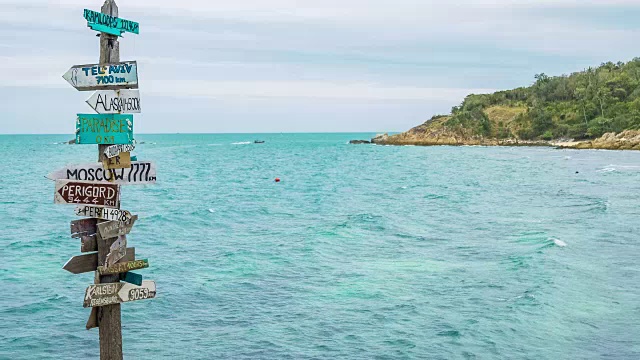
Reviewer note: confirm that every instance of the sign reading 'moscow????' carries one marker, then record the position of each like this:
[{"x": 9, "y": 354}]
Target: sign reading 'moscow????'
[
  {"x": 140, "y": 172},
  {"x": 105, "y": 129},
  {"x": 123, "y": 75}
]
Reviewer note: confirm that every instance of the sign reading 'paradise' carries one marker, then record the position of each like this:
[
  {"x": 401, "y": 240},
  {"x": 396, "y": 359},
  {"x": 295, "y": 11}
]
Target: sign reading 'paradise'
[
  {"x": 104, "y": 129},
  {"x": 110, "y": 24},
  {"x": 122, "y": 75}
]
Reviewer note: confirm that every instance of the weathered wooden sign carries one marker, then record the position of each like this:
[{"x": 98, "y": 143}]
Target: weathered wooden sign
[
  {"x": 122, "y": 161},
  {"x": 104, "y": 129},
  {"x": 83, "y": 227},
  {"x": 103, "y": 213},
  {"x": 110, "y": 24},
  {"x": 139, "y": 173},
  {"x": 114, "y": 150},
  {"x": 117, "y": 251},
  {"x": 88, "y": 243},
  {"x": 111, "y": 229},
  {"x": 89, "y": 262},
  {"x": 115, "y": 101},
  {"x": 87, "y": 192},
  {"x": 122, "y": 75},
  {"x": 116, "y": 293},
  {"x": 123, "y": 267}
]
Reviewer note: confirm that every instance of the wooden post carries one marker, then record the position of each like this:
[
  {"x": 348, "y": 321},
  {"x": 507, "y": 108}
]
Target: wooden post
[{"x": 108, "y": 317}]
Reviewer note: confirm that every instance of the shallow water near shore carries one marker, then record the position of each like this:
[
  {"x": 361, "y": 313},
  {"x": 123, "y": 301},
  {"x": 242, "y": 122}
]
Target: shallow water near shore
[{"x": 360, "y": 252}]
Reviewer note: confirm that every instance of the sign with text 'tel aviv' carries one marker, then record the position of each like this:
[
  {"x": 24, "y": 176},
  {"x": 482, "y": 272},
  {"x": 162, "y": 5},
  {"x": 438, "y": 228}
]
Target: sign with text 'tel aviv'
[
  {"x": 110, "y": 24},
  {"x": 122, "y": 75},
  {"x": 105, "y": 129}
]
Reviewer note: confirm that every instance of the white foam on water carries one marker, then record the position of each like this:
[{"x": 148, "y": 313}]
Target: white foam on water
[
  {"x": 241, "y": 143},
  {"x": 559, "y": 242}
]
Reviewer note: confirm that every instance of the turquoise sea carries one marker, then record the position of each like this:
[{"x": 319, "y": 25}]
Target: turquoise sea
[{"x": 360, "y": 252}]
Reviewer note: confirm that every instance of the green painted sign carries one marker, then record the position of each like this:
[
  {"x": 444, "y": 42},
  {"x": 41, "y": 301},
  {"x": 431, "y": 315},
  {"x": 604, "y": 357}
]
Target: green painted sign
[
  {"x": 109, "y": 24},
  {"x": 106, "y": 129},
  {"x": 132, "y": 278}
]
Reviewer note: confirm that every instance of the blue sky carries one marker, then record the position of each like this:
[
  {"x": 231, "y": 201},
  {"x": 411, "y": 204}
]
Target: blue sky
[{"x": 302, "y": 66}]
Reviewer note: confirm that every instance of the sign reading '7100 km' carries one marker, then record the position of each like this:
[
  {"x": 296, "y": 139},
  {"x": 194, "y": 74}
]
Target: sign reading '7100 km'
[
  {"x": 103, "y": 129},
  {"x": 123, "y": 75}
]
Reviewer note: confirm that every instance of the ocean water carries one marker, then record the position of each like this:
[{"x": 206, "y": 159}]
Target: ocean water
[{"x": 360, "y": 252}]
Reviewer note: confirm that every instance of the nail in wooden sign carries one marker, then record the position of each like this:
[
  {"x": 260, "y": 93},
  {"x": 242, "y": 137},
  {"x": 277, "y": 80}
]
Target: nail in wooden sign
[
  {"x": 114, "y": 150},
  {"x": 116, "y": 293},
  {"x": 122, "y": 75},
  {"x": 104, "y": 129},
  {"x": 123, "y": 267},
  {"x": 111, "y": 229},
  {"x": 89, "y": 262},
  {"x": 110, "y": 24},
  {"x": 122, "y": 161},
  {"x": 139, "y": 173},
  {"x": 115, "y": 101},
  {"x": 87, "y": 192},
  {"x": 117, "y": 251},
  {"x": 103, "y": 213}
]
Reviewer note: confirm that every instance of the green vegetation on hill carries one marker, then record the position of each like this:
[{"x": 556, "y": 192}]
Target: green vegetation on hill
[{"x": 582, "y": 105}]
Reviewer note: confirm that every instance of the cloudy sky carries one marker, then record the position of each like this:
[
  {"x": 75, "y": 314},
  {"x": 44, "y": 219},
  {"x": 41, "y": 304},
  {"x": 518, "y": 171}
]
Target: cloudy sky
[{"x": 302, "y": 65}]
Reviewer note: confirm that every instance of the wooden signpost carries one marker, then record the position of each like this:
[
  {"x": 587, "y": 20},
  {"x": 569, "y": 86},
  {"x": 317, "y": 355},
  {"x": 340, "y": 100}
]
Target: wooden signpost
[
  {"x": 95, "y": 187},
  {"x": 115, "y": 101},
  {"x": 105, "y": 129},
  {"x": 139, "y": 173},
  {"x": 87, "y": 192},
  {"x": 103, "y": 76}
]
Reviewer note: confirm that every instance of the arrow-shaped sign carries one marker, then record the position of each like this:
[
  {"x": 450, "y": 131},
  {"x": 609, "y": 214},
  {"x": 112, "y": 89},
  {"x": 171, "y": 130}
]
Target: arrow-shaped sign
[
  {"x": 71, "y": 191},
  {"x": 122, "y": 75},
  {"x": 110, "y": 24},
  {"x": 116, "y": 293},
  {"x": 89, "y": 262},
  {"x": 140, "y": 172},
  {"x": 111, "y": 229},
  {"x": 123, "y": 267},
  {"x": 115, "y": 150},
  {"x": 103, "y": 213},
  {"x": 115, "y": 101}
]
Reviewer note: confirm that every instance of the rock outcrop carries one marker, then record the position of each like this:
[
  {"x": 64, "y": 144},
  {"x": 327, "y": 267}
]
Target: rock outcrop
[{"x": 626, "y": 140}]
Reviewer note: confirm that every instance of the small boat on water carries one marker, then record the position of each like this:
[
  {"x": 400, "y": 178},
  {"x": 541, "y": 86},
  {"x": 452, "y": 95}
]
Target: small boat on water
[{"x": 258, "y": 142}]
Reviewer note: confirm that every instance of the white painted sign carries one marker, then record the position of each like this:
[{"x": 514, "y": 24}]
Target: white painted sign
[
  {"x": 115, "y": 150},
  {"x": 117, "y": 251},
  {"x": 140, "y": 172},
  {"x": 123, "y": 75},
  {"x": 131, "y": 292},
  {"x": 115, "y": 101},
  {"x": 103, "y": 213}
]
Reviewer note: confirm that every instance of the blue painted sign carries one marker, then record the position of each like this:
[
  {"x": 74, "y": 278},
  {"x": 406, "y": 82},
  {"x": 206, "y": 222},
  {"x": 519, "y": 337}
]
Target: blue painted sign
[
  {"x": 108, "y": 129},
  {"x": 109, "y": 24},
  {"x": 122, "y": 75}
]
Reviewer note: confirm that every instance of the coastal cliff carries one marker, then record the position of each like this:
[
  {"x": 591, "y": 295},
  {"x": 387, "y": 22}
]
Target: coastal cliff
[{"x": 598, "y": 108}]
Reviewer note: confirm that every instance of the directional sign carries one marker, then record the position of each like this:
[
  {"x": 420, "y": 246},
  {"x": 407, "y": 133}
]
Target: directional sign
[
  {"x": 86, "y": 192},
  {"x": 114, "y": 150},
  {"x": 122, "y": 161},
  {"x": 140, "y": 172},
  {"x": 122, "y": 75},
  {"x": 115, "y": 101},
  {"x": 106, "y": 129},
  {"x": 89, "y": 262},
  {"x": 103, "y": 213},
  {"x": 116, "y": 293},
  {"x": 123, "y": 267},
  {"x": 111, "y": 229},
  {"x": 117, "y": 251},
  {"x": 110, "y": 24}
]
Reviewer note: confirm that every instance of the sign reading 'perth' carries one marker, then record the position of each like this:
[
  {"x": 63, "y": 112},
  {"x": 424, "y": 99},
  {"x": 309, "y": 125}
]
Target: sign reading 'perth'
[
  {"x": 104, "y": 129},
  {"x": 140, "y": 172},
  {"x": 115, "y": 101},
  {"x": 123, "y": 75},
  {"x": 103, "y": 213},
  {"x": 87, "y": 192},
  {"x": 110, "y": 24}
]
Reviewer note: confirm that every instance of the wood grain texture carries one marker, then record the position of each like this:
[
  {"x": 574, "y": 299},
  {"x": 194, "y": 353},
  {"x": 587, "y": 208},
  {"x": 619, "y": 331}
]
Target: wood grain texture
[{"x": 89, "y": 262}]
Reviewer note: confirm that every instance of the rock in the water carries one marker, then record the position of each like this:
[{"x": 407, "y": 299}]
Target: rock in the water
[
  {"x": 359, "y": 142},
  {"x": 380, "y": 138},
  {"x": 71, "y": 141}
]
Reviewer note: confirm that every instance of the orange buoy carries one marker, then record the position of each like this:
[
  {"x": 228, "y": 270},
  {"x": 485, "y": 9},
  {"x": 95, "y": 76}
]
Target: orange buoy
[{"x": 277, "y": 179}]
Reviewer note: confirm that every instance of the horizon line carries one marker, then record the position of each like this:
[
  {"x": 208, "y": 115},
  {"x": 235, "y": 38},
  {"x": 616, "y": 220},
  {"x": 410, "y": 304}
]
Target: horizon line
[{"x": 225, "y": 133}]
